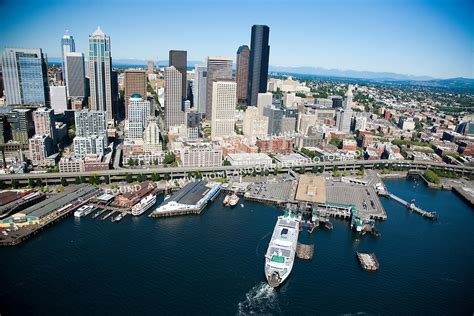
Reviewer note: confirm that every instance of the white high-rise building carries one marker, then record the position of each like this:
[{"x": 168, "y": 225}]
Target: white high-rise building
[
  {"x": 174, "y": 114},
  {"x": 254, "y": 125},
  {"x": 89, "y": 145},
  {"x": 67, "y": 46},
  {"x": 100, "y": 73},
  {"x": 224, "y": 100},
  {"x": 90, "y": 123},
  {"x": 344, "y": 117},
  {"x": 58, "y": 99},
  {"x": 263, "y": 100},
  {"x": 200, "y": 88},
  {"x": 151, "y": 137},
  {"x": 138, "y": 115}
]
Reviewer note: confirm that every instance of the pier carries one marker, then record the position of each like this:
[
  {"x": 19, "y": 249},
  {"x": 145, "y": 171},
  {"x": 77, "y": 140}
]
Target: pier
[
  {"x": 304, "y": 251},
  {"x": 368, "y": 261},
  {"x": 412, "y": 206}
]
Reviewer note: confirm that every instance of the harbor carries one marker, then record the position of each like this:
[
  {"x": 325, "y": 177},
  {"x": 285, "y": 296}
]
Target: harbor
[{"x": 168, "y": 243}]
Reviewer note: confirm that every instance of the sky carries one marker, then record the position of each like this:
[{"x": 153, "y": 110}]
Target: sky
[{"x": 416, "y": 37}]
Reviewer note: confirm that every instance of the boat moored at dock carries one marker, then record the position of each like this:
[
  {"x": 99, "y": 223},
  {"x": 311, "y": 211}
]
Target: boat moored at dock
[
  {"x": 281, "y": 251},
  {"x": 84, "y": 210},
  {"x": 145, "y": 204}
]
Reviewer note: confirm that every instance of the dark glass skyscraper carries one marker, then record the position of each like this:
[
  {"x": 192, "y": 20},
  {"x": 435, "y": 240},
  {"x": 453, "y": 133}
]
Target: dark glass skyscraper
[
  {"x": 258, "y": 64},
  {"x": 242, "y": 73},
  {"x": 179, "y": 59}
]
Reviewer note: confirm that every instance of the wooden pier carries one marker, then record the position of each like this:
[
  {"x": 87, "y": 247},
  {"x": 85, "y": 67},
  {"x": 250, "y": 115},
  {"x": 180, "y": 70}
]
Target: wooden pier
[
  {"x": 413, "y": 207},
  {"x": 368, "y": 261}
]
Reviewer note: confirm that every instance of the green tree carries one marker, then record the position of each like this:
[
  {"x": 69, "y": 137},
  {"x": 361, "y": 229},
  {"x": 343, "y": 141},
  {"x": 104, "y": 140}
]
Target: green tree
[
  {"x": 128, "y": 178},
  {"x": 31, "y": 183},
  {"x": 15, "y": 183},
  {"x": 431, "y": 176},
  {"x": 78, "y": 180},
  {"x": 227, "y": 162},
  {"x": 64, "y": 182}
]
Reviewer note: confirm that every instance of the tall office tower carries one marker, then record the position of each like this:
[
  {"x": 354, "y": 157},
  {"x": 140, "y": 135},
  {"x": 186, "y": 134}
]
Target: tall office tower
[
  {"x": 150, "y": 67},
  {"x": 1, "y": 83},
  {"x": 179, "y": 59},
  {"x": 200, "y": 88},
  {"x": 58, "y": 99},
  {"x": 74, "y": 75},
  {"x": 242, "y": 72},
  {"x": 25, "y": 76},
  {"x": 100, "y": 70},
  {"x": 67, "y": 46},
  {"x": 174, "y": 114},
  {"x": 217, "y": 68},
  {"x": 224, "y": 100},
  {"x": 134, "y": 83},
  {"x": 44, "y": 122},
  {"x": 138, "y": 115},
  {"x": 258, "y": 63},
  {"x": 254, "y": 125},
  {"x": 90, "y": 123},
  {"x": 151, "y": 137},
  {"x": 344, "y": 117}
]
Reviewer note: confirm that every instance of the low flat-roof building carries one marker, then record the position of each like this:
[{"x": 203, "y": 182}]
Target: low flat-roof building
[{"x": 311, "y": 189}]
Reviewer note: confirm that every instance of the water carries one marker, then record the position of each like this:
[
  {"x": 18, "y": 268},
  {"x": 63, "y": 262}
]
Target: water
[{"x": 213, "y": 263}]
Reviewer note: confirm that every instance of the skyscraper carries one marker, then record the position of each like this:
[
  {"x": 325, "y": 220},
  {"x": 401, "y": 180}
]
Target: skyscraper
[
  {"x": 174, "y": 114},
  {"x": 217, "y": 68},
  {"x": 67, "y": 46},
  {"x": 90, "y": 123},
  {"x": 100, "y": 71},
  {"x": 242, "y": 72},
  {"x": 200, "y": 88},
  {"x": 344, "y": 117},
  {"x": 258, "y": 63},
  {"x": 25, "y": 76},
  {"x": 134, "y": 83},
  {"x": 179, "y": 59},
  {"x": 138, "y": 115},
  {"x": 74, "y": 75},
  {"x": 224, "y": 99}
]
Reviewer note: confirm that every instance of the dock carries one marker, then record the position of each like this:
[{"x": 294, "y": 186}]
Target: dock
[
  {"x": 304, "y": 251},
  {"x": 107, "y": 215},
  {"x": 412, "y": 206},
  {"x": 368, "y": 261}
]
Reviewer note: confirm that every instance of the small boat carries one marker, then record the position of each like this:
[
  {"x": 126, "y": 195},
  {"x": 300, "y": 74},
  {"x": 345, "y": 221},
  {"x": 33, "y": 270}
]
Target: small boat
[
  {"x": 233, "y": 200},
  {"x": 167, "y": 196},
  {"x": 226, "y": 200},
  {"x": 117, "y": 218}
]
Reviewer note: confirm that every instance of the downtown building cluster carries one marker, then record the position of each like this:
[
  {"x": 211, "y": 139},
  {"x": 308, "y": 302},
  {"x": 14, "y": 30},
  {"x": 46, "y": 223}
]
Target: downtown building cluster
[{"x": 86, "y": 115}]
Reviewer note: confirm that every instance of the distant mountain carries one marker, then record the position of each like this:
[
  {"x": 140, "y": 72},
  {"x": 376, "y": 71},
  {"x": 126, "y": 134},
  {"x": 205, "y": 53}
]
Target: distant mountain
[{"x": 319, "y": 71}]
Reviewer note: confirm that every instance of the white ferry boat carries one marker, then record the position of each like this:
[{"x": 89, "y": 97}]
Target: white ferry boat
[
  {"x": 281, "y": 251},
  {"x": 144, "y": 205},
  {"x": 84, "y": 210}
]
